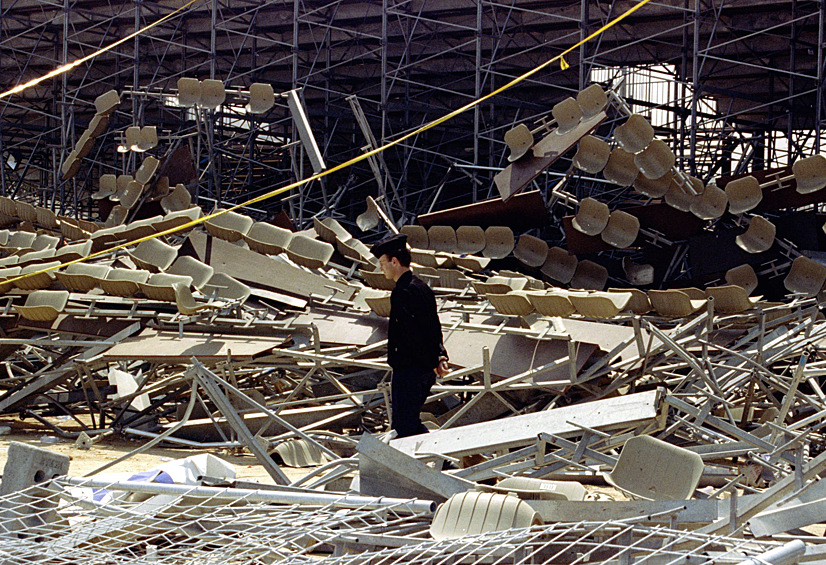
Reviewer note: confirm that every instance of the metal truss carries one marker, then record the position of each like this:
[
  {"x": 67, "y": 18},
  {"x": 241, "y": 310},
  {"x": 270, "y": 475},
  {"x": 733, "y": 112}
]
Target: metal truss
[{"x": 739, "y": 87}]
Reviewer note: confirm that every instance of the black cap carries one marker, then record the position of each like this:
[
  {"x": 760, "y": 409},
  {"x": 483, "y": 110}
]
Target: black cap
[{"x": 395, "y": 242}]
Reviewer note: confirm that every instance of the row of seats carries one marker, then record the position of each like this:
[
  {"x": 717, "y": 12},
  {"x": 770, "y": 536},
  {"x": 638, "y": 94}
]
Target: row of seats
[
  {"x": 210, "y": 93},
  {"x": 105, "y": 106},
  {"x": 495, "y": 242},
  {"x": 127, "y": 190}
]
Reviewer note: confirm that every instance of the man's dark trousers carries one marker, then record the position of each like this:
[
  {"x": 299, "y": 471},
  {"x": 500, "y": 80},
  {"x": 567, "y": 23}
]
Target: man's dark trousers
[{"x": 409, "y": 389}]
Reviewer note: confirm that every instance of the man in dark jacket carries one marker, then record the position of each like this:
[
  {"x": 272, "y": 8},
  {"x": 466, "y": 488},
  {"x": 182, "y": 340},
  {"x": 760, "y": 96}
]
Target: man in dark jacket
[{"x": 414, "y": 338}]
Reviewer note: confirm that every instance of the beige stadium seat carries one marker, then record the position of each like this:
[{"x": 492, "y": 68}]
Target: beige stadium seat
[
  {"x": 514, "y": 303},
  {"x": 70, "y": 166},
  {"x": 330, "y": 230},
  {"x": 693, "y": 292},
  {"x": 589, "y": 276},
  {"x": 225, "y": 287},
  {"x": 470, "y": 239},
  {"x": 499, "y": 242},
  {"x": 806, "y": 276},
  {"x": 639, "y": 303},
  {"x": 759, "y": 236},
  {"x": 178, "y": 218},
  {"x": 148, "y": 139},
  {"x": 82, "y": 277},
  {"x": 355, "y": 250},
  {"x": 161, "y": 286},
  {"x": 147, "y": 170},
  {"x": 132, "y": 137},
  {"x": 473, "y": 512},
  {"x": 26, "y": 211},
  {"x": 731, "y": 299},
  {"x": 592, "y": 216},
  {"x": 370, "y": 218},
  {"x": 123, "y": 182},
  {"x": 640, "y": 275},
  {"x": 123, "y": 282},
  {"x": 711, "y": 204},
  {"x": 97, "y": 125},
  {"x": 652, "y": 469},
  {"x": 141, "y": 228},
  {"x": 592, "y": 154},
  {"x": 552, "y": 303},
  {"x": 622, "y": 229},
  {"x": 299, "y": 453},
  {"x": 442, "y": 238},
  {"x": 519, "y": 140},
  {"x": 380, "y": 305},
  {"x": 744, "y": 276},
  {"x": 108, "y": 187},
  {"x": 674, "y": 303},
  {"x": 601, "y": 305},
  {"x": 84, "y": 145},
  {"x": 7, "y": 273},
  {"x": 621, "y": 168},
  {"x": 213, "y": 94},
  {"x": 188, "y": 306},
  {"x": 189, "y": 91},
  {"x": 20, "y": 240},
  {"x": 43, "y": 305},
  {"x": 267, "y": 239},
  {"x": 107, "y": 103},
  {"x": 191, "y": 267},
  {"x": 47, "y": 218},
  {"x": 132, "y": 194},
  {"x": 743, "y": 194},
  {"x": 472, "y": 263},
  {"x": 810, "y": 174},
  {"x": 424, "y": 257},
  {"x": 499, "y": 285},
  {"x": 656, "y": 160},
  {"x": 376, "y": 279},
  {"x": 153, "y": 255},
  {"x": 567, "y": 115},
  {"x": 635, "y": 134},
  {"x": 452, "y": 278},
  {"x": 309, "y": 252},
  {"x": 179, "y": 199},
  {"x": 262, "y": 98},
  {"x": 8, "y": 206},
  {"x": 229, "y": 226},
  {"x": 416, "y": 236},
  {"x": 70, "y": 230},
  {"x": 117, "y": 215},
  {"x": 677, "y": 197},
  {"x": 41, "y": 280},
  {"x": 531, "y": 250},
  {"x": 592, "y": 100},
  {"x": 160, "y": 189},
  {"x": 35, "y": 257},
  {"x": 559, "y": 265},
  {"x": 528, "y": 488}
]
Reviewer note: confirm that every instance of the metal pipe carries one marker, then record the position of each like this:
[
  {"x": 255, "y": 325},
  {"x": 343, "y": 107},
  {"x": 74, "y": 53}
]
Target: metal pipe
[
  {"x": 413, "y": 505},
  {"x": 786, "y": 554}
]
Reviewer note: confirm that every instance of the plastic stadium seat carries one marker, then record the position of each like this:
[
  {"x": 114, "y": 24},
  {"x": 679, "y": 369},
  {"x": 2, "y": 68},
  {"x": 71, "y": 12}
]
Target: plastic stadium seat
[
  {"x": 567, "y": 115},
  {"x": 309, "y": 252},
  {"x": 416, "y": 236},
  {"x": 227, "y": 288},
  {"x": 810, "y": 174},
  {"x": 731, "y": 299},
  {"x": 677, "y": 197},
  {"x": 299, "y": 453},
  {"x": 442, "y": 238},
  {"x": 153, "y": 255},
  {"x": 744, "y": 276},
  {"x": 376, "y": 279},
  {"x": 97, "y": 125},
  {"x": 191, "y": 267},
  {"x": 84, "y": 145},
  {"x": 380, "y": 305},
  {"x": 369, "y": 219},
  {"x": 178, "y": 218},
  {"x": 655, "y": 188},
  {"x": 499, "y": 242},
  {"x": 519, "y": 140},
  {"x": 229, "y": 226},
  {"x": 601, "y": 305},
  {"x": 635, "y": 134},
  {"x": 474, "y": 512},
  {"x": 651, "y": 469},
  {"x": 514, "y": 303},
  {"x": 622, "y": 229},
  {"x": 41, "y": 280},
  {"x": 267, "y": 239},
  {"x": 107, "y": 103},
  {"x": 179, "y": 199},
  {"x": 82, "y": 277},
  {"x": 621, "y": 168},
  {"x": 531, "y": 250},
  {"x": 592, "y": 154},
  {"x": 108, "y": 187},
  {"x": 592, "y": 100},
  {"x": 160, "y": 286},
  {"x": 528, "y": 488},
  {"x": 674, "y": 303},
  {"x": 559, "y": 265},
  {"x": 470, "y": 239},
  {"x": 711, "y": 204},
  {"x": 759, "y": 236},
  {"x": 123, "y": 282},
  {"x": 639, "y": 303},
  {"x": 213, "y": 94},
  {"x": 655, "y": 160},
  {"x": 188, "y": 306},
  {"x": 589, "y": 276},
  {"x": 552, "y": 303},
  {"x": 330, "y": 230},
  {"x": 743, "y": 194},
  {"x": 43, "y": 305},
  {"x": 133, "y": 193},
  {"x": 805, "y": 277},
  {"x": 635, "y": 274},
  {"x": 592, "y": 216},
  {"x": 262, "y": 98},
  {"x": 189, "y": 91},
  {"x": 26, "y": 211},
  {"x": 147, "y": 170},
  {"x": 7, "y": 273}
]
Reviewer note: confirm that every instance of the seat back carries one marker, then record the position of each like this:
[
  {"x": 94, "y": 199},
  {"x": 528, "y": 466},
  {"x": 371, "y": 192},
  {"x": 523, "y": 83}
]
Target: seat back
[
  {"x": 191, "y": 267},
  {"x": 678, "y": 197},
  {"x": 592, "y": 100},
  {"x": 592, "y": 154},
  {"x": 21, "y": 240},
  {"x": 213, "y": 94},
  {"x": 329, "y": 230},
  {"x": 559, "y": 265},
  {"x": 528, "y": 488},
  {"x": 655, "y": 160},
  {"x": 147, "y": 170},
  {"x": 635, "y": 134},
  {"x": 640, "y": 275},
  {"x": 179, "y": 199},
  {"x": 470, "y": 239},
  {"x": 416, "y": 236},
  {"x": 309, "y": 252},
  {"x": 132, "y": 137},
  {"x": 653, "y": 188},
  {"x": 567, "y": 115},
  {"x": 82, "y": 277},
  {"x": 134, "y": 191},
  {"x": 744, "y": 276},
  {"x": 97, "y": 125},
  {"x": 268, "y": 239},
  {"x": 589, "y": 276},
  {"x": 189, "y": 91},
  {"x": 806, "y": 276},
  {"x": 154, "y": 255},
  {"x": 43, "y": 305},
  {"x": 601, "y": 305},
  {"x": 620, "y": 168},
  {"x": 230, "y": 226},
  {"x": 368, "y": 219},
  {"x": 161, "y": 286},
  {"x": 673, "y": 303},
  {"x": 743, "y": 194},
  {"x": 262, "y": 98},
  {"x": 759, "y": 236},
  {"x": 376, "y": 279},
  {"x": 380, "y": 305},
  {"x": 299, "y": 453},
  {"x": 531, "y": 250},
  {"x": 810, "y": 174},
  {"x": 730, "y": 299},
  {"x": 711, "y": 204},
  {"x": 519, "y": 140},
  {"x": 553, "y": 303},
  {"x": 592, "y": 216},
  {"x": 108, "y": 187},
  {"x": 639, "y": 303},
  {"x": 622, "y": 229},
  {"x": 651, "y": 469},
  {"x": 123, "y": 282},
  {"x": 514, "y": 303},
  {"x": 26, "y": 211},
  {"x": 148, "y": 138},
  {"x": 107, "y": 103},
  {"x": 475, "y": 512},
  {"x": 178, "y": 218},
  {"x": 499, "y": 242},
  {"x": 442, "y": 238},
  {"x": 41, "y": 280}
]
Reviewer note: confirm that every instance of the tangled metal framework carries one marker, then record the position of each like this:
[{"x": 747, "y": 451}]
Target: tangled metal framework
[{"x": 746, "y": 83}]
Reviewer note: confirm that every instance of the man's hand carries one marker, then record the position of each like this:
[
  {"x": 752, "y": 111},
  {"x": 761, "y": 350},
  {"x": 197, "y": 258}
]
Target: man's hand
[{"x": 442, "y": 368}]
